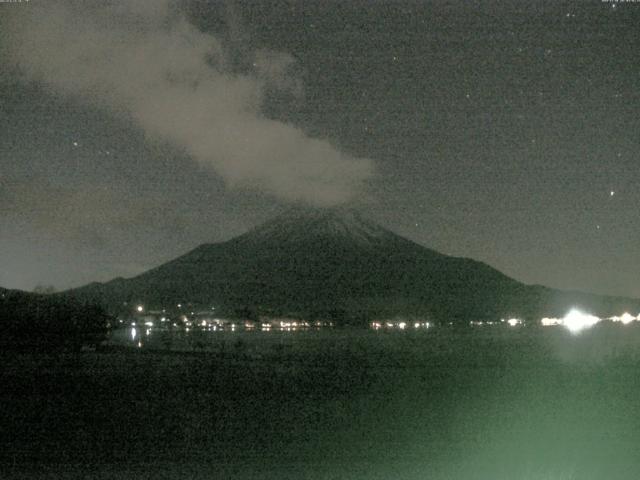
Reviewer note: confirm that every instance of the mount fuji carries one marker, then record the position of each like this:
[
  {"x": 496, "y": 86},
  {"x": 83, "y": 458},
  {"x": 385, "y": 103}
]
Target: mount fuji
[{"x": 334, "y": 263}]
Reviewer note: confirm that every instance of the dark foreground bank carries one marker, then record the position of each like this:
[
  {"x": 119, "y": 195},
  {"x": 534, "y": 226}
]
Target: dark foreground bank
[{"x": 489, "y": 404}]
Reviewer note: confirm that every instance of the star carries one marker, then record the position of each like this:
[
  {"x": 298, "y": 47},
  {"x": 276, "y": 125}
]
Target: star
[{"x": 75, "y": 144}]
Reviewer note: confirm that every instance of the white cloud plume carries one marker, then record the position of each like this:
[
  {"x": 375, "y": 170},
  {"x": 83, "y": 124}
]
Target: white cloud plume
[{"x": 144, "y": 59}]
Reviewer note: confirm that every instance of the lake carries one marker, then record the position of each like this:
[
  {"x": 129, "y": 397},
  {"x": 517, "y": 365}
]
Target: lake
[{"x": 438, "y": 403}]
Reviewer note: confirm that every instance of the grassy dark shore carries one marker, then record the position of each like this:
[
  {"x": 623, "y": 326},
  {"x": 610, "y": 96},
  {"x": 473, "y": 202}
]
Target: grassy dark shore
[{"x": 484, "y": 404}]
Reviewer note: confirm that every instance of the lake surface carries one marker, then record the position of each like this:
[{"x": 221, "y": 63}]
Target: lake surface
[{"x": 499, "y": 403}]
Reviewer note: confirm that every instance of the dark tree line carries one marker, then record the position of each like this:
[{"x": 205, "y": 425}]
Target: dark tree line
[{"x": 46, "y": 323}]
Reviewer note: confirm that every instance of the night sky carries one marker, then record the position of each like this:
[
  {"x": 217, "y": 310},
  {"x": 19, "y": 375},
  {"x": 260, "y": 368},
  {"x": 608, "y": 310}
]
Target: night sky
[{"x": 508, "y": 132}]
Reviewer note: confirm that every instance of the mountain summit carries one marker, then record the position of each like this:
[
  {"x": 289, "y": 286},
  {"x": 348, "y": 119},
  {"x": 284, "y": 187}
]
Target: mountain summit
[
  {"x": 319, "y": 263},
  {"x": 302, "y": 224}
]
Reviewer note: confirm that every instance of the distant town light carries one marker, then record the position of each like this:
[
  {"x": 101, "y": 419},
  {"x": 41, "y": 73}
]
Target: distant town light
[
  {"x": 548, "y": 322},
  {"x": 625, "y": 318},
  {"x": 514, "y": 322},
  {"x": 575, "y": 321},
  {"x": 140, "y": 308}
]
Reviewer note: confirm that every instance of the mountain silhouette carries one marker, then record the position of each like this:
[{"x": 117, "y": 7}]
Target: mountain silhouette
[{"x": 336, "y": 264}]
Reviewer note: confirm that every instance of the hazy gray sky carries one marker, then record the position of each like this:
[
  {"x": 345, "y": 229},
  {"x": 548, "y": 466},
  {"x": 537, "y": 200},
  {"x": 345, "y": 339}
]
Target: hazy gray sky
[{"x": 132, "y": 131}]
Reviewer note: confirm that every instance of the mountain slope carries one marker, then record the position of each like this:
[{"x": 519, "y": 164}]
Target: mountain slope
[{"x": 333, "y": 263}]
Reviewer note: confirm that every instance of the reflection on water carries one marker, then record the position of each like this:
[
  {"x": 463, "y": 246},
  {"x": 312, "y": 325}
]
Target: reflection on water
[
  {"x": 189, "y": 334},
  {"x": 406, "y": 403}
]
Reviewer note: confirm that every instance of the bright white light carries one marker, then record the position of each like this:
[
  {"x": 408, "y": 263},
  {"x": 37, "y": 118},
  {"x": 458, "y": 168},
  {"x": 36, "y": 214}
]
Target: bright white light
[
  {"x": 513, "y": 322},
  {"x": 576, "y": 321},
  {"x": 134, "y": 333},
  {"x": 149, "y": 324},
  {"x": 402, "y": 325},
  {"x": 548, "y": 322},
  {"x": 627, "y": 318},
  {"x": 624, "y": 319},
  {"x": 139, "y": 308},
  {"x": 416, "y": 325}
]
